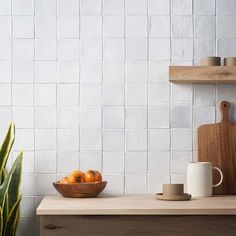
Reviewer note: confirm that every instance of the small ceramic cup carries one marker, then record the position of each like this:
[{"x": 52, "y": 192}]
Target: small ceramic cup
[
  {"x": 173, "y": 189},
  {"x": 230, "y": 61},
  {"x": 210, "y": 61}
]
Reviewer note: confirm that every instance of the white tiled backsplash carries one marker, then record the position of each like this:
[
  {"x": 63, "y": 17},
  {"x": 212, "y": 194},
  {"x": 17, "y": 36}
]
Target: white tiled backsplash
[{"x": 86, "y": 82}]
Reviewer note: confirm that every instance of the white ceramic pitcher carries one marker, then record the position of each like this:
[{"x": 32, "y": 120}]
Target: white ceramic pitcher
[{"x": 200, "y": 179}]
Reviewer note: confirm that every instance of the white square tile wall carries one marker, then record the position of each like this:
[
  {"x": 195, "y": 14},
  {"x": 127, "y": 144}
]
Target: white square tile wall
[{"x": 86, "y": 82}]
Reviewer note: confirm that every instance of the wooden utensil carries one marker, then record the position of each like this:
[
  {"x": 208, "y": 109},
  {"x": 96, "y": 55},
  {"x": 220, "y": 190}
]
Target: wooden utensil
[
  {"x": 217, "y": 144},
  {"x": 80, "y": 190}
]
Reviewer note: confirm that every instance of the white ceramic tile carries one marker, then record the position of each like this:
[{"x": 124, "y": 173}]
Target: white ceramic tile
[
  {"x": 136, "y": 48},
  {"x": 180, "y": 161},
  {"x": 182, "y": 26},
  {"x": 158, "y": 162},
  {"x": 135, "y": 162},
  {"x": 113, "y": 163},
  {"x": 181, "y": 7},
  {"x": 45, "y": 139},
  {"x": 23, "y": 7},
  {"x": 67, "y": 161},
  {"x": 112, "y": 95},
  {"x": 68, "y": 26},
  {"x": 5, "y": 26},
  {"x": 68, "y": 117},
  {"x": 44, "y": 184},
  {"x": 113, "y": 49},
  {"x": 136, "y": 72},
  {"x": 226, "y": 47},
  {"x": 158, "y": 117},
  {"x": 27, "y": 207},
  {"x": 136, "y": 117},
  {"x": 159, "y": 26},
  {"x": 204, "y": 27},
  {"x": 5, "y": 49},
  {"x": 23, "y": 72},
  {"x": 45, "y": 49},
  {"x": 90, "y": 117},
  {"x": 26, "y": 226},
  {"x": 22, "y": 49},
  {"x": 116, "y": 185},
  {"x": 45, "y": 72},
  {"x": 28, "y": 185},
  {"x": 90, "y": 160},
  {"x": 181, "y": 117},
  {"x": 68, "y": 7},
  {"x": 135, "y": 184},
  {"x": 159, "y": 139},
  {"x": 45, "y": 7},
  {"x": 159, "y": 49},
  {"x": 182, "y": 94},
  {"x": 5, "y": 113},
  {"x": 113, "y": 117},
  {"x": 113, "y": 7},
  {"x": 113, "y": 140},
  {"x": 159, "y": 7},
  {"x": 5, "y": 94},
  {"x": 45, "y": 26},
  {"x": 225, "y": 7},
  {"x": 45, "y": 117},
  {"x": 202, "y": 7},
  {"x": 22, "y": 94},
  {"x": 67, "y": 94},
  {"x": 113, "y": 26},
  {"x": 113, "y": 72},
  {"x": 91, "y": 26},
  {"x": 181, "y": 139},
  {"x": 136, "y": 7},
  {"x": 90, "y": 94},
  {"x": 90, "y": 140},
  {"x": 5, "y": 7},
  {"x": 158, "y": 94},
  {"x": 67, "y": 139},
  {"x": 155, "y": 183},
  {"x": 179, "y": 179},
  {"x": 131, "y": 26},
  {"x": 182, "y": 49},
  {"x": 90, "y": 7},
  {"x": 28, "y": 162},
  {"x": 158, "y": 71},
  {"x": 68, "y": 72},
  {"x": 91, "y": 49},
  {"x": 45, "y": 94},
  {"x": 68, "y": 49},
  {"x": 91, "y": 72},
  {"x": 23, "y": 116},
  {"x": 24, "y": 140},
  {"x": 45, "y": 161},
  {"x": 136, "y": 94},
  {"x": 136, "y": 140},
  {"x": 225, "y": 27},
  {"x": 5, "y": 71},
  {"x": 203, "y": 115}
]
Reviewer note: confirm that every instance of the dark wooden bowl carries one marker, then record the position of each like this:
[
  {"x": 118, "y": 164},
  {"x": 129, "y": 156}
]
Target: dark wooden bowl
[{"x": 80, "y": 190}]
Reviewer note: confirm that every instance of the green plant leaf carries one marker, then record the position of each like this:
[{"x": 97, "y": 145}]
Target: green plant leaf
[
  {"x": 12, "y": 219},
  {"x": 1, "y": 221},
  {"x": 6, "y": 147},
  {"x": 5, "y": 211},
  {"x": 14, "y": 186}
]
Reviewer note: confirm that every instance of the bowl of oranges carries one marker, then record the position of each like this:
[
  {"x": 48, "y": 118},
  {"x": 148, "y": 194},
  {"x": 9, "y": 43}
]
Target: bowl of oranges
[{"x": 81, "y": 185}]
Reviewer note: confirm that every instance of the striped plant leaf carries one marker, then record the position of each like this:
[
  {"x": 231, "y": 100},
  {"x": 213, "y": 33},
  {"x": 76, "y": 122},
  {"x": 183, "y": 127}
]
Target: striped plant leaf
[{"x": 12, "y": 219}]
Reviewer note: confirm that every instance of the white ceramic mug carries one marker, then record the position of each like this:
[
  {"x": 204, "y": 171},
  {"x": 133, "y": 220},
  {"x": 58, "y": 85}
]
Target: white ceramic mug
[{"x": 200, "y": 179}]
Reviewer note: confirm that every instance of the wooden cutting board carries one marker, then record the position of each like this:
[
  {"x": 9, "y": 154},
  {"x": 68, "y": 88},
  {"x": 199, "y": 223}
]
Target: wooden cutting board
[{"x": 217, "y": 144}]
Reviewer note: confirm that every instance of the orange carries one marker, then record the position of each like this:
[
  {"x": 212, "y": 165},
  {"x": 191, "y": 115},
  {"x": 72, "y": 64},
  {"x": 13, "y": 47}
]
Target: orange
[{"x": 92, "y": 176}]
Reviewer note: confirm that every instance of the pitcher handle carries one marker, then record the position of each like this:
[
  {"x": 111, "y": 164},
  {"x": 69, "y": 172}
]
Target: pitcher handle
[{"x": 221, "y": 176}]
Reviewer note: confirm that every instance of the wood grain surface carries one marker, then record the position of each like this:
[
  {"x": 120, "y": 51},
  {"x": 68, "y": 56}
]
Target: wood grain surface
[
  {"x": 202, "y": 74},
  {"x": 217, "y": 144}
]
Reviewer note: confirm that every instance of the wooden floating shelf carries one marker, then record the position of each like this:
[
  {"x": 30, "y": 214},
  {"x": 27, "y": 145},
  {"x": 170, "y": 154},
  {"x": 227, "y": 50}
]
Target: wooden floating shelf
[{"x": 202, "y": 74}]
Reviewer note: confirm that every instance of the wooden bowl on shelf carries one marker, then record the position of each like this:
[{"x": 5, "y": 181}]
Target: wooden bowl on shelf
[{"x": 80, "y": 190}]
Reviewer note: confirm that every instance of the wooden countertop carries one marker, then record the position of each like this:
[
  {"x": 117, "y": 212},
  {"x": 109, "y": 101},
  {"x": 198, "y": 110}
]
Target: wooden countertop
[{"x": 136, "y": 205}]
